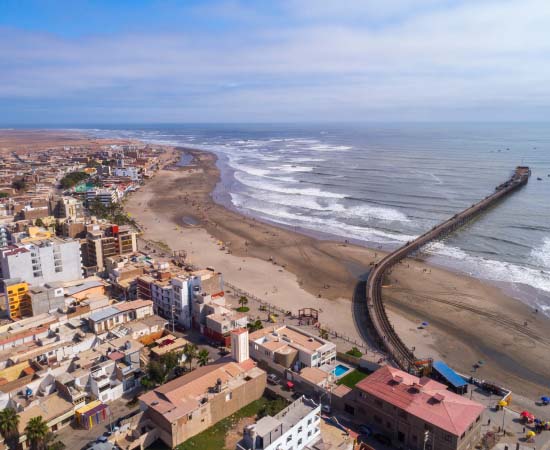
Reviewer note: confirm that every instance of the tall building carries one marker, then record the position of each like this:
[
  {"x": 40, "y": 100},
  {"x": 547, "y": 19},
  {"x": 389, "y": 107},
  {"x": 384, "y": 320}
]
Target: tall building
[
  {"x": 105, "y": 241},
  {"x": 42, "y": 261},
  {"x": 18, "y": 303}
]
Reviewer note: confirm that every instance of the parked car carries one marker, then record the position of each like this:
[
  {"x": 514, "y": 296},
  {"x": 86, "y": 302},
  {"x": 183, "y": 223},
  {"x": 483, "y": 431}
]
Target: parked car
[
  {"x": 326, "y": 409},
  {"x": 273, "y": 379}
]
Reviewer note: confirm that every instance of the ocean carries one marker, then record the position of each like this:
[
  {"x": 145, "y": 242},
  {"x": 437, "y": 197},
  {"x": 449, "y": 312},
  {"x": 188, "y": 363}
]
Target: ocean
[{"x": 381, "y": 185}]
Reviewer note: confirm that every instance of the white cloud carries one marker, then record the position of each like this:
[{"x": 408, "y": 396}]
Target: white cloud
[{"x": 440, "y": 59}]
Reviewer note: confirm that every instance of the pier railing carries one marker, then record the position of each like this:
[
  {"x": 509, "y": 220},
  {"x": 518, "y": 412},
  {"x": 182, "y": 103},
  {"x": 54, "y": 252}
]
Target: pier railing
[{"x": 385, "y": 335}]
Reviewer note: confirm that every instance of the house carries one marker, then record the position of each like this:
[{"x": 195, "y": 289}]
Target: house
[
  {"x": 417, "y": 413},
  {"x": 118, "y": 314},
  {"x": 193, "y": 402},
  {"x": 291, "y": 347},
  {"x": 295, "y": 427}
]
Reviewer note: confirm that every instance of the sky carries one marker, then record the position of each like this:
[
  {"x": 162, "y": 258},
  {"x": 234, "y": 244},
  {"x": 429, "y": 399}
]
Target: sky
[{"x": 190, "y": 61}]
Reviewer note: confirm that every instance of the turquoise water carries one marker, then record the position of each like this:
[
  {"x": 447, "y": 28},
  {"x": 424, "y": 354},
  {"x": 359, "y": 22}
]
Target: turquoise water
[{"x": 340, "y": 370}]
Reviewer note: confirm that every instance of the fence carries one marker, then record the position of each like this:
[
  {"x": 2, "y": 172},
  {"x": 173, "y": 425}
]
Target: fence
[{"x": 270, "y": 307}]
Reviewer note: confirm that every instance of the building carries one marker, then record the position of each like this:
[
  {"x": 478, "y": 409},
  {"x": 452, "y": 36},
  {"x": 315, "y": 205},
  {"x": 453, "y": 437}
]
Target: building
[
  {"x": 171, "y": 296},
  {"x": 291, "y": 347},
  {"x": 47, "y": 298},
  {"x": 103, "y": 242},
  {"x": 118, "y": 314},
  {"x": 18, "y": 303},
  {"x": 295, "y": 427},
  {"x": 194, "y": 402},
  {"x": 417, "y": 413},
  {"x": 66, "y": 208},
  {"x": 43, "y": 261},
  {"x": 104, "y": 196}
]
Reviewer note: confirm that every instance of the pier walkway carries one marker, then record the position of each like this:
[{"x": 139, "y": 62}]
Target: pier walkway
[{"x": 384, "y": 334}]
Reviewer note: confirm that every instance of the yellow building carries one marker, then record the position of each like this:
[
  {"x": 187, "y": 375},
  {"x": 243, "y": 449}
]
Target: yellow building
[
  {"x": 18, "y": 302},
  {"x": 36, "y": 234}
]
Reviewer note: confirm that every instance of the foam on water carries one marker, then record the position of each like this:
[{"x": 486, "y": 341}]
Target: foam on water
[
  {"x": 491, "y": 269},
  {"x": 541, "y": 255}
]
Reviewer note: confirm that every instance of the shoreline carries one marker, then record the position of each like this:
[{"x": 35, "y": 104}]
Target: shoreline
[{"x": 469, "y": 320}]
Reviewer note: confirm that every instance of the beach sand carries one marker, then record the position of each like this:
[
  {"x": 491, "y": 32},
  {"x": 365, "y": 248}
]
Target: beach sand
[{"x": 469, "y": 320}]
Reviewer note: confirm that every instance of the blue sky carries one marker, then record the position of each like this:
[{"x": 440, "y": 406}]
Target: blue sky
[{"x": 70, "y": 62}]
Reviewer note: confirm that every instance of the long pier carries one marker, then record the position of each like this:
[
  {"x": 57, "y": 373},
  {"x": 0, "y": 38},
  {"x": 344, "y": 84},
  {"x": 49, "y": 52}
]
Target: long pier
[{"x": 385, "y": 335}]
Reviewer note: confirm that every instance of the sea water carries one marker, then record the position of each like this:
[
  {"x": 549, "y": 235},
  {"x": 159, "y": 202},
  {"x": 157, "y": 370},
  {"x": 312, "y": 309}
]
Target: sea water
[{"x": 383, "y": 184}]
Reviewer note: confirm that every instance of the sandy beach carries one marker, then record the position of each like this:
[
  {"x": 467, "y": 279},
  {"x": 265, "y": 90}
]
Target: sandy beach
[{"x": 469, "y": 319}]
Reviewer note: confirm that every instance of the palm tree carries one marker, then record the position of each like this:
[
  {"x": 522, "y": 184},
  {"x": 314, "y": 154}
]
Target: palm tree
[
  {"x": 323, "y": 334},
  {"x": 203, "y": 357},
  {"x": 243, "y": 301},
  {"x": 9, "y": 421},
  {"x": 190, "y": 351},
  {"x": 36, "y": 431}
]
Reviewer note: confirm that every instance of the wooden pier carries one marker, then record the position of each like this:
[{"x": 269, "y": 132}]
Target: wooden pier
[{"x": 384, "y": 333}]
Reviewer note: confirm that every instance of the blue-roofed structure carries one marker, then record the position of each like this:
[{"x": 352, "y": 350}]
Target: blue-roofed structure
[
  {"x": 104, "y": 314},
  {"x": 442, "y": 372}
]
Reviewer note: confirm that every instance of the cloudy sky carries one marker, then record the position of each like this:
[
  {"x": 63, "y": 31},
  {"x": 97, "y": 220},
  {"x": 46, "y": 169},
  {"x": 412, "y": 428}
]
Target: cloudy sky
[{"x": 133, "y": 61}]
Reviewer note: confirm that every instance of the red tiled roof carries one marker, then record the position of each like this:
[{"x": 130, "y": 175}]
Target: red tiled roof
[
  {"x": 134, "y": 304},
  {"x": 423, "y": 398}
]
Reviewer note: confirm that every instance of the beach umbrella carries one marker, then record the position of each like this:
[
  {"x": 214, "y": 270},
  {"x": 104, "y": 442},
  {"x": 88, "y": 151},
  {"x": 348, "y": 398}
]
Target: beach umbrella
[
  {"x": 531, "y": 433},
  {"x": 525, "y": 414},
  {"x": 502, "y": 403},
  {"x": 425, "y": 324},
  {"x": 537, "y": 421},
  {"x": 545, "y": 399}
]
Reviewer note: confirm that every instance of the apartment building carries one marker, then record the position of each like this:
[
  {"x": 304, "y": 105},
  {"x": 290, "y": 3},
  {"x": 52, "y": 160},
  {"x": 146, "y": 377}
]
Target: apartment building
[
  {"x": 104, "y": 241},
  {"x": 18, "y": 303},
  {"x": 291, "y": 347},
  {"x": 42, "y": 261},
  {"x": 194, "y": 402},
  {"x": 295, "y": 427},
  {"x": 417, "y": 413},
  {"x": 104, "y": 196},
  {"x": 171, "y": 296}
]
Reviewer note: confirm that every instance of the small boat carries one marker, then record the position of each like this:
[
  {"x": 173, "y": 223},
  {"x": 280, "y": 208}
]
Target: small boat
[{"x": 539, "y": 178}]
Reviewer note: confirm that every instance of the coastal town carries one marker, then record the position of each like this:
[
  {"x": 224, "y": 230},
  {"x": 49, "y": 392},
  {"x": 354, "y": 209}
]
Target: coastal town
[{"x": 117, "y": 336}]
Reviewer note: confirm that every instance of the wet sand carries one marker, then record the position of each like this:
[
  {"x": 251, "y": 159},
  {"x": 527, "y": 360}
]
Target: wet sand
[{"x": 469, "y": 320}]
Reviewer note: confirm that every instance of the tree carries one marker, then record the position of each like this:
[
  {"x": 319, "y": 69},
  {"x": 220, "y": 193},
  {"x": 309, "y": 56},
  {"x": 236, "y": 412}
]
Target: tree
[
  {"x": 19, "y": 184},
  {"x": 156, "y": 372},
  {"x": 170, "y": 361},
  {"x": 4, "y": 195},
  {"x": 203, "y": 357},
  {"x": 72, "y": 179},
  {"x": 190, "y": 351},
  {"x": 243, "y": 301},
  {"x": 36, "y": 431},
  {"x": 39, "y": 223},
  {"x": 255, "y": 326},
  {"x": 323, "y": 334},
  {"x": 9, "y": 421}
]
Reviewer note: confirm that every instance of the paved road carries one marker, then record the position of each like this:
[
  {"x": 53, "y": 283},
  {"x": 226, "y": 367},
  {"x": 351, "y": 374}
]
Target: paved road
[{"x": 76, "y": 438}]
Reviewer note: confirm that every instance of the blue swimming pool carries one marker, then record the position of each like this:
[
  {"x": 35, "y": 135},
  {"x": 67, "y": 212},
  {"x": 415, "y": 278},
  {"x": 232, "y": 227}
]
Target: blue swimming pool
[{"x": 340, "y": 370}]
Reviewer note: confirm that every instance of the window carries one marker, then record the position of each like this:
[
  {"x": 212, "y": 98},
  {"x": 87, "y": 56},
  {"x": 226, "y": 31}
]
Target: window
[
  {"x": 309, "y": 422},
  {"x": 228, "y": 396},
  {"x": 309, "y": 433},
  {"x": 377, "y": 419},
  {"x": 288, "y": 438},
  {"x": 299, "y": 442},
  {"x": 402, "y": 414},
  {"x": 300, "y": 429},
  {"x": 400, "y": 436},
  {"x": 448, "y": 438},
  {"x": 378, "y": 403}
]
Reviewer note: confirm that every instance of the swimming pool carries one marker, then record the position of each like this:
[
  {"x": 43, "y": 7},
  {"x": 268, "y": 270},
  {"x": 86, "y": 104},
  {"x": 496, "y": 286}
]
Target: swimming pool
[{"x": 340, "y": 370}]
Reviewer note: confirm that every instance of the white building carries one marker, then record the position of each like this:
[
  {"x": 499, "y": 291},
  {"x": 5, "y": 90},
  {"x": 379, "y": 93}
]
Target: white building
[
  {"x": 171, "y": 298},
  {"x": 43, "y": 261},
  {"x": 294, "y": 428},
  {"x": 105, "y": 196},
  {"x": 130, "y": 172},
  {"x": 291, "y": 347}
]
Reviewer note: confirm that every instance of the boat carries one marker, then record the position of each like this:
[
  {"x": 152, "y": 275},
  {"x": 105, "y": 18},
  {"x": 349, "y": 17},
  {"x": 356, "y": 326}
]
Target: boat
[{"x": 539, "y": 178}]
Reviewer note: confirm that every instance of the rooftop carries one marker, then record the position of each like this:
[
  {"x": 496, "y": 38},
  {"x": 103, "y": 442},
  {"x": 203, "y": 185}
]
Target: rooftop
[{"x": 423, "y": 398}]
